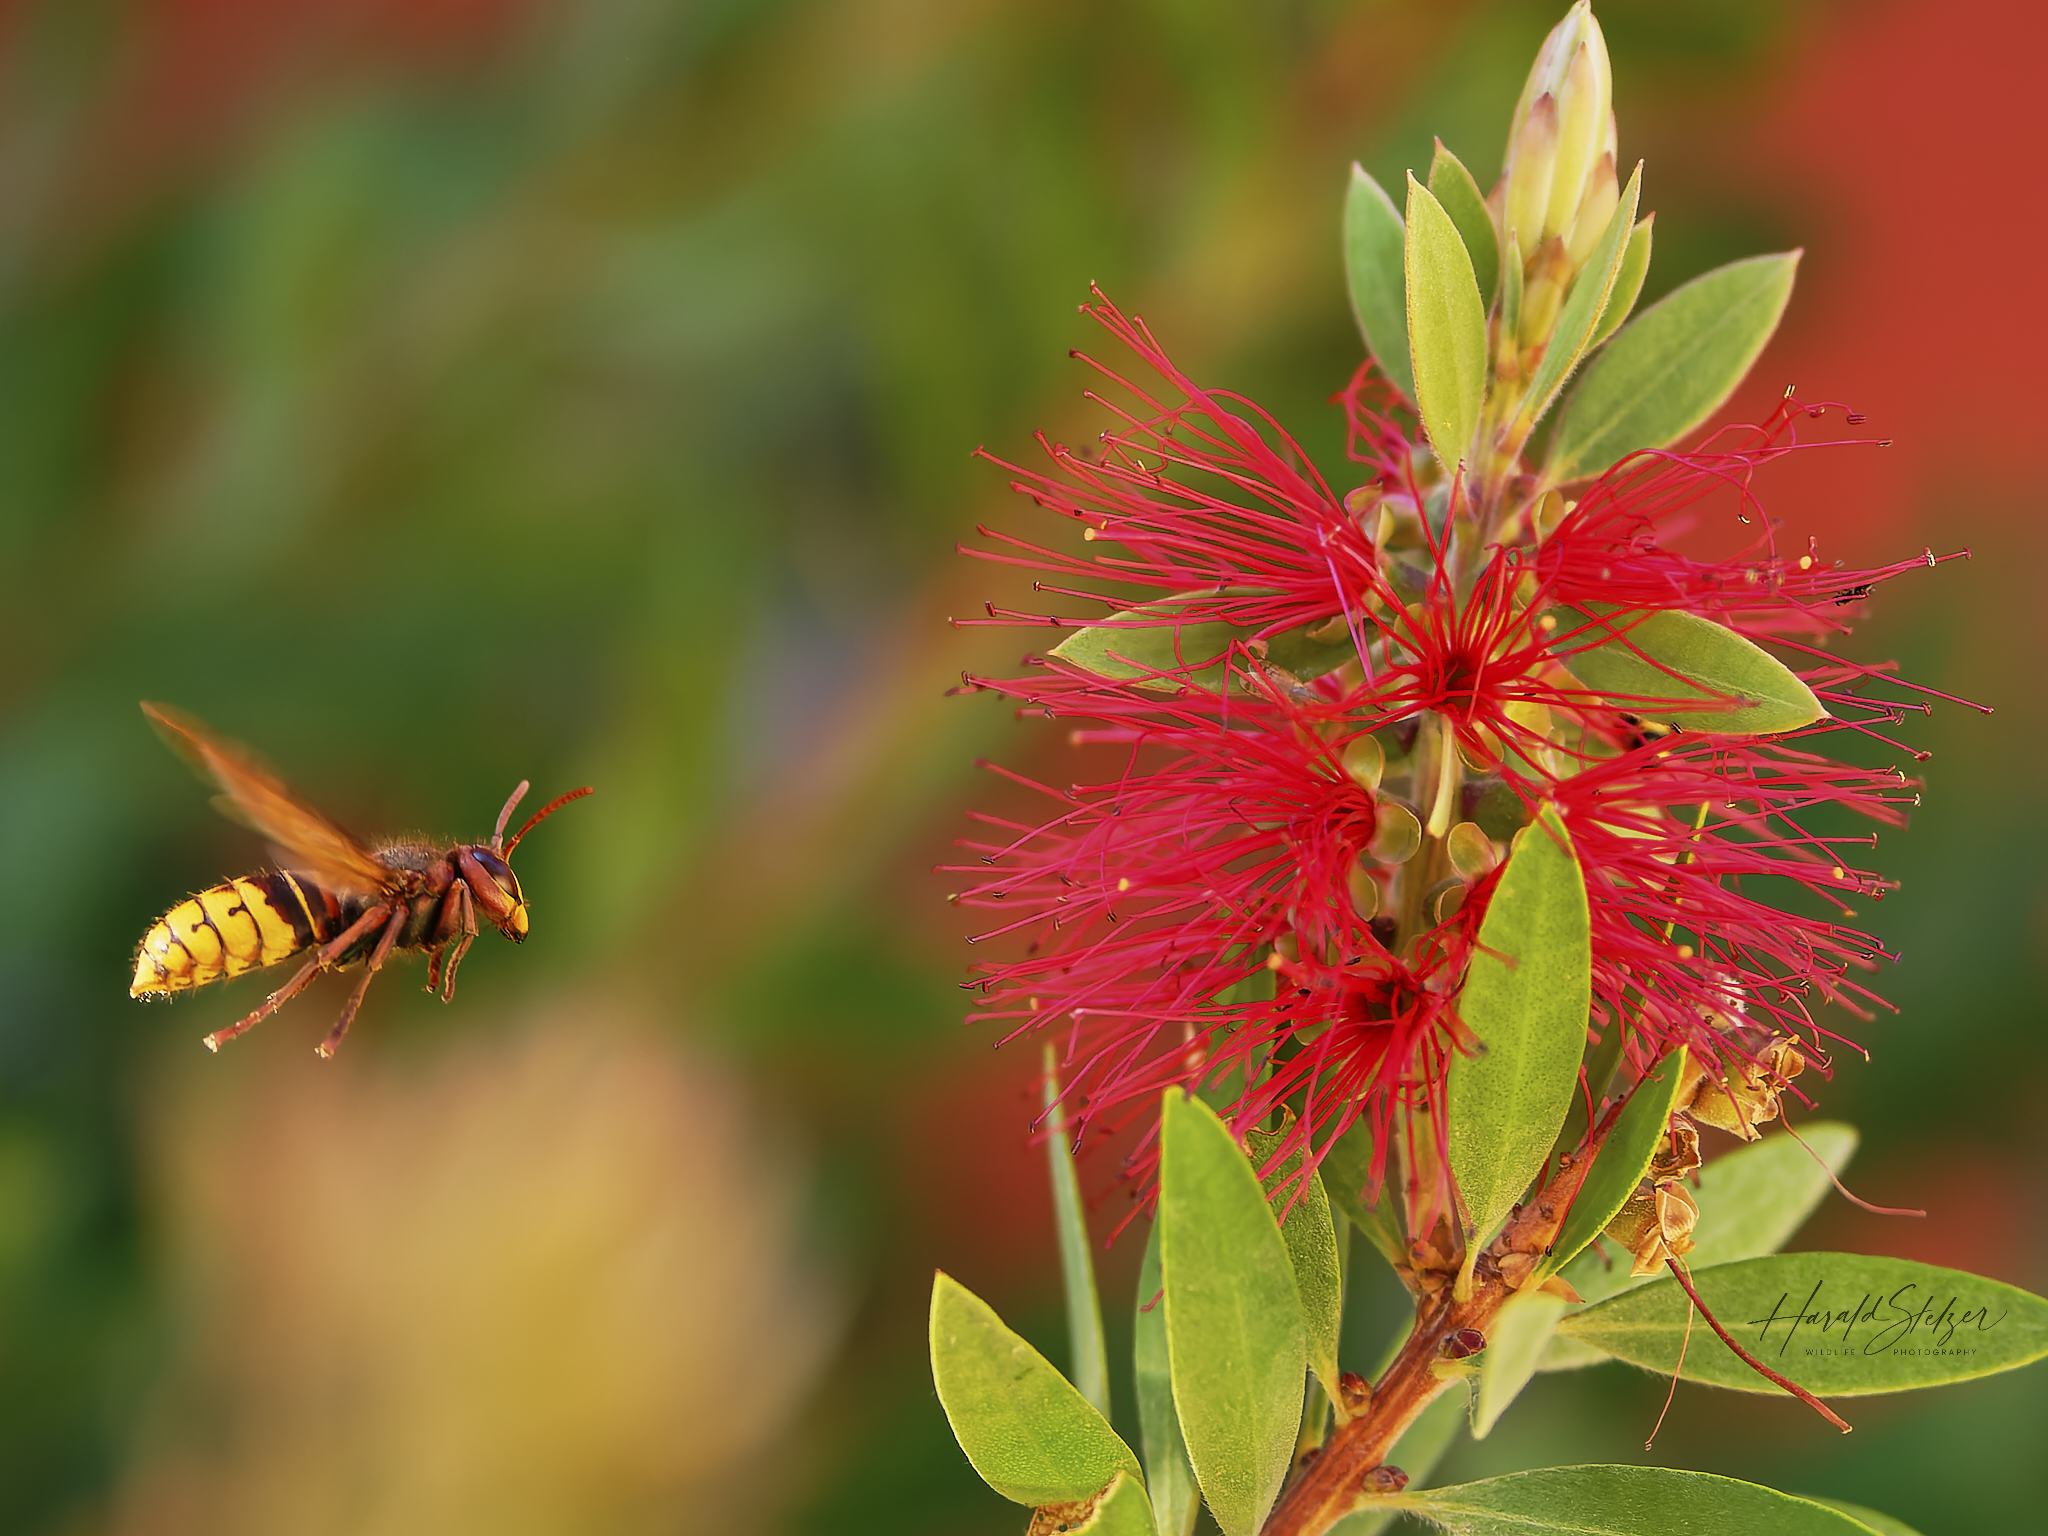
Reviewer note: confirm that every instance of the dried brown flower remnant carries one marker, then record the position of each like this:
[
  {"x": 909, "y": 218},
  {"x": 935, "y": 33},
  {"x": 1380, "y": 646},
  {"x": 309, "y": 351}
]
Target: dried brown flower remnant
[
  {"x": 1748, "y": 1097},
  {"x": 1656, "y": 1224}
]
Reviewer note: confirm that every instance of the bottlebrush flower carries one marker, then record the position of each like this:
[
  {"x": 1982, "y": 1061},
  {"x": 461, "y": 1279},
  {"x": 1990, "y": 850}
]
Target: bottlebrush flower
[{"x": 1314, "y": 727}]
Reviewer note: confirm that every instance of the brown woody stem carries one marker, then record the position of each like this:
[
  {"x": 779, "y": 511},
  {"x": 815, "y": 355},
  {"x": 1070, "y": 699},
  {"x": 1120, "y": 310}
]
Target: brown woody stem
[{"x": 1337, "y": 1481}]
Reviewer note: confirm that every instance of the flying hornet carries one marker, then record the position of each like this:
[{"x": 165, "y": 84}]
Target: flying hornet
[{"x": 330, "y": 899}]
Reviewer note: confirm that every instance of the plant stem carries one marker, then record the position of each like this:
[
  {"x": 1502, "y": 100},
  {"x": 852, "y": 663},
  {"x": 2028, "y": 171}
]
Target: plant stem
[{"x": 1335, "y": 1482}]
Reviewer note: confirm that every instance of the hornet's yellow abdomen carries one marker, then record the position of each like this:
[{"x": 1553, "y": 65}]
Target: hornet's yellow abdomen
[{"x": 240, "y": 926}]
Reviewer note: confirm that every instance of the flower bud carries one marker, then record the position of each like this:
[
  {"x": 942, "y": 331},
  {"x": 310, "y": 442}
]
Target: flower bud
[
  {"x": 1548, "y": 278},
  {"x": 1532, "y": 161},
  {"x": 1603, "y": 195},
  {"x": 1462, "y": 1344},
  {"x": 1354, "y": 1392},
  {"x": 1563, "y": 131}
]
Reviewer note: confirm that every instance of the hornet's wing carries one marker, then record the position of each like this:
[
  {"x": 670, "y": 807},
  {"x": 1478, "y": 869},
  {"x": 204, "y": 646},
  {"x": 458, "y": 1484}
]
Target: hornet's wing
[{"x": 302, "y": 839}]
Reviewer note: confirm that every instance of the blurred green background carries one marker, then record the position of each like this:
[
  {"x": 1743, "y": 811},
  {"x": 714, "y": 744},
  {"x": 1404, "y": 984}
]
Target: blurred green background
[{"x": 440, "y": 392}]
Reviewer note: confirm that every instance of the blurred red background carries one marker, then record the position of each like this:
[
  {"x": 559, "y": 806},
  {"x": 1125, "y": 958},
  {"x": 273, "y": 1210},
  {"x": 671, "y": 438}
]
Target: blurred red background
[{"x": 771, "y": 911}]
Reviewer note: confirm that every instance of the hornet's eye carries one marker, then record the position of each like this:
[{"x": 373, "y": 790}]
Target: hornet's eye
[
  {"x": 502, "y": 900},
  {"x": 498, "y": 870}
]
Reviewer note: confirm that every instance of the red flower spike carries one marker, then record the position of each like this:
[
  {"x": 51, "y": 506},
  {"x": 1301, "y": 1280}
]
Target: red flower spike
[{"x": 1205, "y": 912}]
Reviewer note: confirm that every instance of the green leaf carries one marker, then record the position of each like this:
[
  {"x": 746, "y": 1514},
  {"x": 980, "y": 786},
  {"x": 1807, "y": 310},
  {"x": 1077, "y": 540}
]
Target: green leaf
[
  {"x": 1623, "y": 1159},
  {"x": 1311, "y": 1238},
  {"x": 1582, "y": 309},
  {"x": 1029, "y": 1434},
  {"x": 1121, "y": 1510},
  {"x": 1525, "y": 1000},
  {"x": 1751, "y": 1202},
  {"x": 1884, "y": 1525},
  {"x": 1077, "y": 1264},
  {"x": 1348, "y": 1164},
  {"x": 1644, "y": 661},
  {"x": 1753, "y": 1199},
  {"x": 1839, "y": 1324},
  {"x": 1628, "y": 282},
  {"x": 1622, "y": 1501},
  {"x": 1671, "y": 367},
  {"x": 1453, "y": 187},
  {"x": 1601, "y": 1058},
  {"x": 1510, "y": 287},
  {"x": 1446, "y": 328},
  {"x": 1175, "y": 1498},
  {"x": 1234, "y": 1331},
  {"x": 1514, "y": 1348},
  {"x": 1374, "y": 236},
  {"x": 1139, "y": 644}
]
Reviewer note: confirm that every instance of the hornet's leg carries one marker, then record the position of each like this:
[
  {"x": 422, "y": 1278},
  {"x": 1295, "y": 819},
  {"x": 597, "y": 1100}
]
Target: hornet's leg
[
  {"x": 455, "y": 917},
  {"x": 462, "y": 944},
  {"x": 322, "y": 957},
  {"x": 399, "y": 912},
  {"x": 271, "y": 1004},
  {"x": 438, "y": 936}
]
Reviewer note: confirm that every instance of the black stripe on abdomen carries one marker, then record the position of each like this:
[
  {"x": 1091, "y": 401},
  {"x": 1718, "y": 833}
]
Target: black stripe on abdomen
[{"x": 294, "y": 905}]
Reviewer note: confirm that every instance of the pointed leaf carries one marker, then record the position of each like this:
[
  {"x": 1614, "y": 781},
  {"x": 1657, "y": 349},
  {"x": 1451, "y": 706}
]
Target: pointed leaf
[
  {"x": 1175, "y": 1498},
  {"x": 1751, "y": 1201},
  {"x": 1671, "y": 367},
  {"x": 1648, "y": 661},
  {"x": 1622, "y": 1501},
  {"x": 1510, "y": 293},
  {"x": 1582, "y": 309},
  {"x": 1884, "y": 1525},
  {"x": 1601, "y": 1058},
  {"x": 1155, "y": 647},
  {"x": 1374, "y": 237},
  {"x": 1446, "y": 328},
  {"x": 1452, "y": 186},
  {"x": 1029, "y": 1434},
  {"x": 1234, "y": 1332},
  {"x": 1628, "y": 282},
  {"x": 1121, "y": 1509},
  {"x": 1839, "y": 1324},
  {"x": 1311, "y": 1238},
  {"x": 1514, "y": 1347},
  {"x": 1525, "y": 1000},
  {"x": 1347, "y": 1165},
  {"x": 1077, "y": 1262},
  {"x": 1623, "y": 1160}
]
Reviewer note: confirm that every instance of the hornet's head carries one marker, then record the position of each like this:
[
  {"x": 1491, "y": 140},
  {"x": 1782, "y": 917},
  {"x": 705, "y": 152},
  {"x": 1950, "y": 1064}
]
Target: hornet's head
[
  {"x": 488, "y": 870},
  {"x": 496, "y": 890}
]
